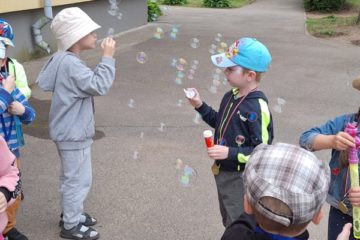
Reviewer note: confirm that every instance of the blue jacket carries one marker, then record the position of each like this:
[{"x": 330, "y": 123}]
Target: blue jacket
[
  {"x": 8, "y": 121},
  {"x": 339, "y": 175},
  {"x": 250, "y": 125}
]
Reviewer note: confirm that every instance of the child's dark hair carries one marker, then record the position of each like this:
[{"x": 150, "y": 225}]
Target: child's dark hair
[{"x": 344, "y": 156}]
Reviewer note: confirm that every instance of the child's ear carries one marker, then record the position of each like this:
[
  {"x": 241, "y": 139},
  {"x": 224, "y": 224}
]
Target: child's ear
[
  {"x": 247, "y": 207},
  {"x": 318, "y": 216},
  {"x": 251, "y": 75}
]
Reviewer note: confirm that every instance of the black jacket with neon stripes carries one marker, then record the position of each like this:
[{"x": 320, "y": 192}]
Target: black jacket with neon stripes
[{"x": 250, "y": 125}]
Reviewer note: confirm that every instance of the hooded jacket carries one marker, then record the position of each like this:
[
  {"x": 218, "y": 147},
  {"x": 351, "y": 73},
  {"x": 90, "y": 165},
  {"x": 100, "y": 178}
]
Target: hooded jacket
[
  {"x": 71, "y": 118},
  {"x": 250, "y": 125}
]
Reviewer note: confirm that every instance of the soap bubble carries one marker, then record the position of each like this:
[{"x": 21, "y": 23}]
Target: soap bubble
[
  {"x": 161, "y": 128},
  {"x": 141, "y": 57},
  {"x": 195, "y": 43},
  {"x": 131, "y": 103},
  {"x": 110, "y": 32},
  {"x": 186, "y": 174},
  {"x": 119, "y": 16},
  {"x": 181, "y": 64},
  {"x": 113, "y": 9},
  {"x": 135, "y": 155},
  {"x": 213, "y": 89},
  {"x": 180, "y": 102},
  {"x": 240, "y": 139},
  {"x": 197, "y": 118},
  {"x": 173, "y": 62},
  {"x": 277, "y": 108},
  {"x": 281, "y": 101},
  {"x": 159, "y": 34}
]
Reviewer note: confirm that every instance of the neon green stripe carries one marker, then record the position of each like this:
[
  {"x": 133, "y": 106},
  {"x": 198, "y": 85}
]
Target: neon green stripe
[
  {"x": 265, "y": 120},
  {"x": 242, "y": 158}
]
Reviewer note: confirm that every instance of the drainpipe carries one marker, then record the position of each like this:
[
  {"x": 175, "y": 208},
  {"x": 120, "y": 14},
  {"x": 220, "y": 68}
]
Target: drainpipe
[{"x": 40, "y": 23}]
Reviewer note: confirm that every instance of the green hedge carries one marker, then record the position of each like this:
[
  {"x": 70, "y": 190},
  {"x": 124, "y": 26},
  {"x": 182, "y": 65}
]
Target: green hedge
[
  {"x": 324, "y": 5},
  {"x": 217, "y": 3},
  {"x": 153, "y": 10},
  {"x": 174, "y": 2}
]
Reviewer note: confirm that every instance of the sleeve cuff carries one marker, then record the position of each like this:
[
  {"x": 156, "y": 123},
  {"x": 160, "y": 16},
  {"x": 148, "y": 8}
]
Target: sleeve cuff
[
  {"x": 26, "y": 114},
  {"x": 108, "y": 61},
  {"x": 233, "y": 151},
  {"x": 6, "y": 193},
  {"x": 6, "y": 96},
  {"x": 202, "y": 109}
]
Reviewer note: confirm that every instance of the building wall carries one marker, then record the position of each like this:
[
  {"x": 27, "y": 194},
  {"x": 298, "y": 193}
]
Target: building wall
[{"x": 134, "y": 14}]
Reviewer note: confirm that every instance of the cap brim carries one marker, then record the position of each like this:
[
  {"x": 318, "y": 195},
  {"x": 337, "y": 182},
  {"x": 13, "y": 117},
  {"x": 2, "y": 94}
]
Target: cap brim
[
  {"x": 7, "y": 41},
  {"x": 220, "y": 60}
]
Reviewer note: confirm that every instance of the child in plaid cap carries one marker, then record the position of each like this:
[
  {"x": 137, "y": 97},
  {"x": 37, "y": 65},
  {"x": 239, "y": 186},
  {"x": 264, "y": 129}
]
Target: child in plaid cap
[
  {"x": 242, "y": 122},
  {"x": 341, "y": 196},
  {"x": 285, "y": 188}
]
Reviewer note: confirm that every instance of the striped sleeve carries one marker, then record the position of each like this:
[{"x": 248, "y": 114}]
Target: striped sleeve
[
  {"x": 5, "y": 100},
  {"x": 29, "y": 114}
]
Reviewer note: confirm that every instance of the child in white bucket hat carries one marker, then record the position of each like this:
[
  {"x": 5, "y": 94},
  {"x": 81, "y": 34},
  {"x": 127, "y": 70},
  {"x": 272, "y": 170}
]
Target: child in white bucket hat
[{"x": 71, "y": 118}]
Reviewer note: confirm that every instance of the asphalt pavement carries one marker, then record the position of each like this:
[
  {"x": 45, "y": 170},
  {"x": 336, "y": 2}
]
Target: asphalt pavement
[{"x": 147, "y": 133}]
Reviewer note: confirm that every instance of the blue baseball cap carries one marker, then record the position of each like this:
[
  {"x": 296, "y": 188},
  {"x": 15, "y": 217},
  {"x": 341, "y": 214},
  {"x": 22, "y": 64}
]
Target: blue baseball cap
[
  {"x": 6, "y": 33},
  {"x": 245, "y": 52}
]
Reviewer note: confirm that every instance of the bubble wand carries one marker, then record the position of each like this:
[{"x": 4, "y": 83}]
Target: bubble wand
[{"x": 354, "y": 175}]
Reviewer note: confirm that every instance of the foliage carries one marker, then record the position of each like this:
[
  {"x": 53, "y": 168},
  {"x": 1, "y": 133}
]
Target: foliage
[
  {"x": 175, "y": 2},
  {"x": 324, "y": 5},
  {"x": 217, "y": 3},
  {"x": 153, "y": 10}
]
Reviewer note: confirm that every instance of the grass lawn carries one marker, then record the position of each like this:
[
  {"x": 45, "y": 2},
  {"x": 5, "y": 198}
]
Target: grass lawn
[
  {"x": 329, "y": 26},
  {"x": 334, "y": 24},
  {"x": 233, "y": 3}
]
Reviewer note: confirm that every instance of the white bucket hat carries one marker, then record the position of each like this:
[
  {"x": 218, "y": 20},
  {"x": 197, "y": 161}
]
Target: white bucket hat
[{"x": 70, "y": 25}]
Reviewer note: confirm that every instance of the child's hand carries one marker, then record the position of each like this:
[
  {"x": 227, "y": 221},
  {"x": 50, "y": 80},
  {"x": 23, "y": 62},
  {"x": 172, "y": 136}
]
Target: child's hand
[
  {"x": 196, "y": 100},
  {"x": 16, "y": 108},
  {"x": 108, "y": 47},
  {"x": 345, "y": 234},
  {"x": 218, "y": 152},
  {"x": 354, "y": 196},
  {"x": 3, "y": 202},
  {"x": 9, "y": 83},
  {"x": 342, "y": 141}
]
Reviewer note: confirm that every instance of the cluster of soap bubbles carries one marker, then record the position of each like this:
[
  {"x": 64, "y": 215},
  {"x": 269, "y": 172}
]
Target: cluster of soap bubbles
[
  {"x": 180, "y": 65},
  {"x": 280, "y": 102},
  {"x": 114, "y": 10},
  {"x": 215, "y": 83},
  {"x": 218, "y": 46},
  {"x": 186, "y": 174}
]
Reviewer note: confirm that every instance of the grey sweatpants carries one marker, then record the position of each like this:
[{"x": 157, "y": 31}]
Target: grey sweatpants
[
  {"x": 75, "y": 183},
  {"x": 230, "y": 189}
]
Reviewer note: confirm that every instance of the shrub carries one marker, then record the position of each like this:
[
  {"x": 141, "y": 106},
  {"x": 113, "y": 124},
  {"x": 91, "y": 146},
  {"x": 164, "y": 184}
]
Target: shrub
[
  {"x": 174, "y": 2},
  {"x": 217, "y": 3},
  {"x": 324, "y": 5},
  {"x": 153, "y": 10}
]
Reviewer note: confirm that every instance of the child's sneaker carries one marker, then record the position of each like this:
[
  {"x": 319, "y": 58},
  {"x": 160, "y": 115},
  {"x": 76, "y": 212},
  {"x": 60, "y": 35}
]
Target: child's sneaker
[
  {"x": 79, "y": 232},
  {"x": 14, "y": 234}
]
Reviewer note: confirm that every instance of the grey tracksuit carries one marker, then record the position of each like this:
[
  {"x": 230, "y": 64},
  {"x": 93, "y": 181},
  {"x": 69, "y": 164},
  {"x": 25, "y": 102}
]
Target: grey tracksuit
[{"x": 71, "y": 122}]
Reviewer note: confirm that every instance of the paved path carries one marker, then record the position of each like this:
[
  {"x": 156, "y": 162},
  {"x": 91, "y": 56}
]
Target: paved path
[{"x": 142, "y": 198}]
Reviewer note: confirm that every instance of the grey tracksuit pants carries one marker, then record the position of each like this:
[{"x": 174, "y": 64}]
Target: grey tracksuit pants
[{"x": 75, "y": 183}]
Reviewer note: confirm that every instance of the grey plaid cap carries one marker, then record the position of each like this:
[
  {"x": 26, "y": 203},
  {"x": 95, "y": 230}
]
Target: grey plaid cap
[{"x": 290, "y": 174}]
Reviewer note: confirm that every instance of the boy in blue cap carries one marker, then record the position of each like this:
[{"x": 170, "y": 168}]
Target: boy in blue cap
[
  {"x": 242, "y": 122},
  {"x": 10, "y": 66}
]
